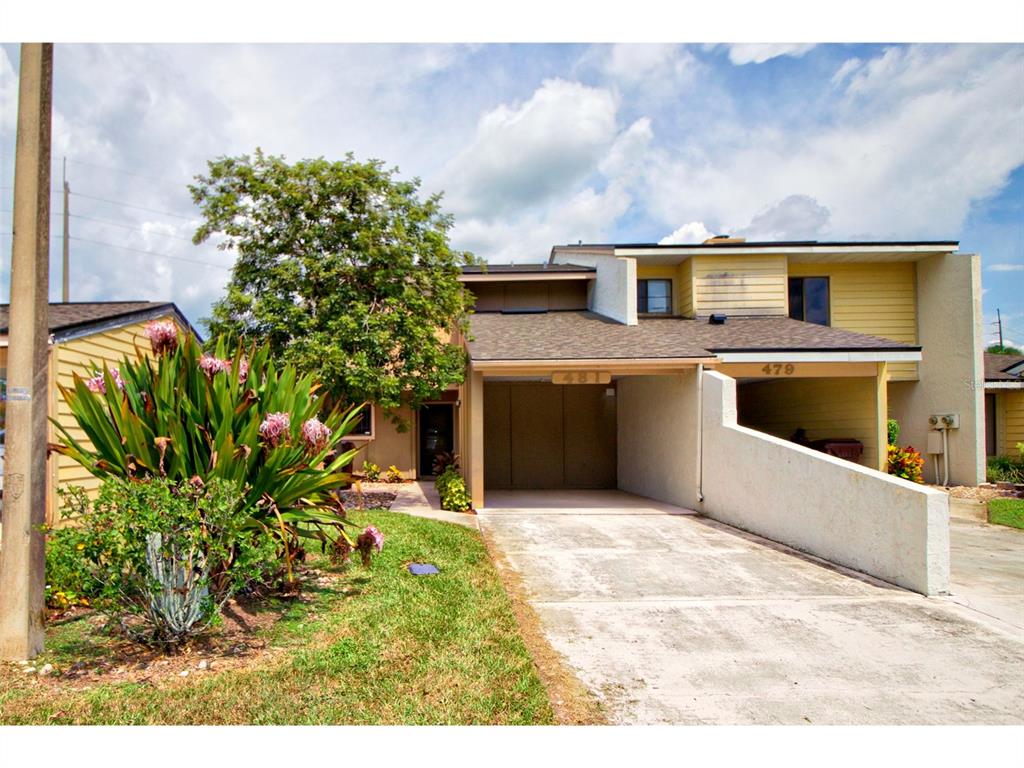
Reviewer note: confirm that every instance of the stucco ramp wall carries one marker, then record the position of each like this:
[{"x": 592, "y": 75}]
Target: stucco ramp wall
[{"x": 850, "y": 515}]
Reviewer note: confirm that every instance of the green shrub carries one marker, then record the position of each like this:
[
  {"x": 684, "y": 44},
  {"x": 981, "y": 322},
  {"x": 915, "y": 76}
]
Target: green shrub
[
  {"x": 394, "y": 475},
  {"x": 1005, "y": 469},
  {"x": 371, "y": 472},
  {"x": 159, "y": 556},
  {"x": 187, "y": 415},
  {"x": 452, "y": 490},
  {"x": 906, "y": 463},
  {"x": 893, "y": 428},
  {"x": 443, "y": 460}
]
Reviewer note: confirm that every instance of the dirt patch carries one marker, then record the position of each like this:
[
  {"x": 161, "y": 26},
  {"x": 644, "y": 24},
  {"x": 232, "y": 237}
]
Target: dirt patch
[
  {"x": 238, "y": 641},
  {"x": 571, "y": 701}
]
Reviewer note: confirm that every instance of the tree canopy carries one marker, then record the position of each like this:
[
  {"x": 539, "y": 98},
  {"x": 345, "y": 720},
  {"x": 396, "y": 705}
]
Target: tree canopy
[
  {"x": 342, "y": 269},
  {"x": 1000, "y": 349}
]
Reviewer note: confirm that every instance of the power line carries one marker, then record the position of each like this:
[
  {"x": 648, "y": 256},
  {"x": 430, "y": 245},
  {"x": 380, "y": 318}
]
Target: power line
[
  {"x": 131, "y": 205},
  {"x": 139, "y": 250},
  {"x": 125, "y": 226}
]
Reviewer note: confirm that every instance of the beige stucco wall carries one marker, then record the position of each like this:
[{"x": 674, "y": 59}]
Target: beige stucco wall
[
  {"x": 657, "y": 434},
  {"x": 389, "y": 445},
  {"x": 845, "y": 513},
  {"x": 951, "y": 369},
  {"x": 613, "y": 291}
]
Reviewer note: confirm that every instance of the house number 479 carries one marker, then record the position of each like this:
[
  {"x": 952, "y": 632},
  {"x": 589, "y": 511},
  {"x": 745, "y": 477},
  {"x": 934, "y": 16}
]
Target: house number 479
[{"x": 778, "y": 369}]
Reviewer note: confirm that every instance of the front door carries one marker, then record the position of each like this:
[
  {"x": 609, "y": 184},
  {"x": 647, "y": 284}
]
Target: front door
[{"x": 437, "y": 434}]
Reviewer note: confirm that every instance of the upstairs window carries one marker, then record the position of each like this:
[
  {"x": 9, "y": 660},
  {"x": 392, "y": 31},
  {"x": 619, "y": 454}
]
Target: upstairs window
[
  {"x": 808, "y": 299},
  {"x": 654, "y": 297}
]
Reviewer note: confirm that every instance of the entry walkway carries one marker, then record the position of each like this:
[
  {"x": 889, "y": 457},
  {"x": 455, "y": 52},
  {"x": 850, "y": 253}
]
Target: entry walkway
[{"x": 669, "y": 617}]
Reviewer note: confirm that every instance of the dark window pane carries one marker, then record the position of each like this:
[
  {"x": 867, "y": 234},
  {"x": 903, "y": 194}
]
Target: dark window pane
[
  {"x": 796, "y": 298},
  {"x": 816, "y": 300},
  {"x": 364, "y": 424},
  {"x": 654, "y": 296}
]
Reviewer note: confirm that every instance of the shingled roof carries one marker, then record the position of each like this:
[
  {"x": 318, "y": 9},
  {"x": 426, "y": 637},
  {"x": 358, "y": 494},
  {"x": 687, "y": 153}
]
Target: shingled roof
[
  {"x": 996, "y": 367},
  {"x": 79, "y": 316},
  {"x": 589, "y": 336}
]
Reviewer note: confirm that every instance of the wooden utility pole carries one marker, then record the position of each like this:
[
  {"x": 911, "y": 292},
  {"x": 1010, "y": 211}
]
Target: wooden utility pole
[
  {"x": 65, "y": 292},
  {"x": 999, "y": 319},
  {"x": 22, "y": 548}
]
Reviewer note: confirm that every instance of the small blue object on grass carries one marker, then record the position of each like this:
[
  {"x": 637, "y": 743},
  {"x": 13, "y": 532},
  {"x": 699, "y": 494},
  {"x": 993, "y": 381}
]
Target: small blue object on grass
[{"x": 422, "y": 569}]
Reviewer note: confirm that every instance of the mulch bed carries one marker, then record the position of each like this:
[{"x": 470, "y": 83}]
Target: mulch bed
[{"x": 353, "y": 499}]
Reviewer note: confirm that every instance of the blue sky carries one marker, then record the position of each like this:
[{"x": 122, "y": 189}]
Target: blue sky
[{"x": 535, "y": 145}]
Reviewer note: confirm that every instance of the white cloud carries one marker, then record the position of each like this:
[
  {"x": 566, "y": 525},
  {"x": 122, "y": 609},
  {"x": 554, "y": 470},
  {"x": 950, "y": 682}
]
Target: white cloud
[
  {"x": 759, "y": 53},
  {"x": 633, "y": 62},
  {"x": 1005, "y": 267},
  {"x": 524, "y": 154},
  {"x": 902, "y": 155},
  {"x": 798, "y": 217},
  {"x": 629, "y": 149},
  {"x": 848, "y": 68},
  {"x": 693, "y": 232}
]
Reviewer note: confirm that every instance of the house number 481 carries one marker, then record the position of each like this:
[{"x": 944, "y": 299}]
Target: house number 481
[{"x": 778, "y": 369}]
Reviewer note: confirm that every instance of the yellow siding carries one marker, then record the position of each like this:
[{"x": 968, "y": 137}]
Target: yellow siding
[
  {"x": 1009, "y": 421},
  {"x": 839, "y": 408},
  {"x": 686, "y": 288},
  {"x": 876, "y": 299},
  {"x": 740, "y": 285},
  {"x": 81, "y": 356}
]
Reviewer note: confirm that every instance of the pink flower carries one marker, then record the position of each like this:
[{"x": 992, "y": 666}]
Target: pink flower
[
  {"x": 211, "y": 365},
  {"x": 97, "y": 383},
  {"x": 243, "y": 370},
  {"x": 163, "y": 336},
  {"x": 315, "y": 434},
  {"x": 375, "y": 536},
  {"x": 274, "y": 427}
]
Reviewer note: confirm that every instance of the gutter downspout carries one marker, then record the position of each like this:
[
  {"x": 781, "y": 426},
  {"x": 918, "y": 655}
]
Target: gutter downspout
[{"x": 700, "y": 432}]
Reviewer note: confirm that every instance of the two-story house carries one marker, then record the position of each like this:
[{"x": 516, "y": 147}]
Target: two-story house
[{"x": 826, "y": 341}]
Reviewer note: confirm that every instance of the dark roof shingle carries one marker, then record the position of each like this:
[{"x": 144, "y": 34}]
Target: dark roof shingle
[
  {"x": 74, "y": 314},
  {"x": 586, "y": 335},
  {"x": 997, "y": 365}
]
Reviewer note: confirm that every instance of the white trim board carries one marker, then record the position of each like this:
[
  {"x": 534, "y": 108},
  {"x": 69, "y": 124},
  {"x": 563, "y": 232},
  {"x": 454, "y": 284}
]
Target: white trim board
[{"x": 866, "y": 356}]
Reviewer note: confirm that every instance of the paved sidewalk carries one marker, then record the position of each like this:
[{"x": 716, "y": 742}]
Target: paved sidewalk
[
  {"x": 675, "y": 618},
  {"x": 419, "y": 498},
  {"x": 987, "y": 569}
]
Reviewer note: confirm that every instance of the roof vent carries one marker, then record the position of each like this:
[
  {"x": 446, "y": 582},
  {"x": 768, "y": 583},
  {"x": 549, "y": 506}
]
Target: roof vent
[
  {"x": 717, "y": 319},
  {"x": 723, "y": 239}
]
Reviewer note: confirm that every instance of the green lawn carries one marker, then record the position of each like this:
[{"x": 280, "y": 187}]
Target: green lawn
[
  {"x": 1006, "y": 512},
  {"x": 374, "y": 646}
]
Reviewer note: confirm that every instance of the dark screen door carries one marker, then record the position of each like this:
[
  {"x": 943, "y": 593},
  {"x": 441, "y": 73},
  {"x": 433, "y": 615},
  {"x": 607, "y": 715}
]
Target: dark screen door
[{"x": 437, "y": 434}]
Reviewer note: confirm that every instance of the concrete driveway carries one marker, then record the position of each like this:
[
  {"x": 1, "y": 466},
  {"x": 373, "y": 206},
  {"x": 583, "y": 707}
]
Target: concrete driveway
[{"x": 673, "y": 618}]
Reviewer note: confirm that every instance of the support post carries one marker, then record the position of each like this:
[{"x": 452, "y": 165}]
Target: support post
[
  {"x": 882, "y": 415},
  {"x": 22, "y": 554},
  {"x": 475, "y": 466}
]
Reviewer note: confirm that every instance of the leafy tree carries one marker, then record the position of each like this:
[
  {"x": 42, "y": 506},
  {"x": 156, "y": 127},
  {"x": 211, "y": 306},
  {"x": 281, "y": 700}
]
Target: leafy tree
[
  {"x": 342, "y": 269},
  {"x": 1000, "y": 349}
]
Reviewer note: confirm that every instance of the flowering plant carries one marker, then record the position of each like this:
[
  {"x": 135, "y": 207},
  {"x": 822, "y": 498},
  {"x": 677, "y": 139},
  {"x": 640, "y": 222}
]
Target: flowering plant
[
  {"x": 177, "y": 416},
  {"x": 906, "y": 463}
]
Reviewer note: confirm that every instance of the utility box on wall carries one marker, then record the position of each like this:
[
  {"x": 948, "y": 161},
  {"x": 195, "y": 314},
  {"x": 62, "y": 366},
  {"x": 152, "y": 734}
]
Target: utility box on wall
[{"x": 934, "y": 443}]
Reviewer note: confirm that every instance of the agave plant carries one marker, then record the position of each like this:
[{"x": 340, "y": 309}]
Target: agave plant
[{"x": 186, "y": 415}]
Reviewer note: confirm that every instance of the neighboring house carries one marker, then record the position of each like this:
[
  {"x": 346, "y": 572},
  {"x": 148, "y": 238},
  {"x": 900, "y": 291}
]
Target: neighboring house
[
  {"x": 1004, "y": 404},
  {"x": 84, "y": 335}
]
